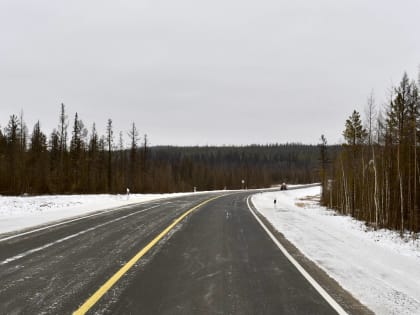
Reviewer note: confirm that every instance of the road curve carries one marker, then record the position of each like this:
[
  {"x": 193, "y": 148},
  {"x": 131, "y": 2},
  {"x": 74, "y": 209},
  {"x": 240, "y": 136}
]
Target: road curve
[{"x": 216, "y": 260}]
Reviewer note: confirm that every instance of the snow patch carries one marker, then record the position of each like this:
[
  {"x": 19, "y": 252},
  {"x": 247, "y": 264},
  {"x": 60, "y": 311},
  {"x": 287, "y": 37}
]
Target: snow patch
[
  {"x": 18, "y": 213},
  {"x": 381, "y": 269}
]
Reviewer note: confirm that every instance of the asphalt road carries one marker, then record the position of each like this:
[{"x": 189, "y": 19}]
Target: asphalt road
[{"x": 217, "y": 260}]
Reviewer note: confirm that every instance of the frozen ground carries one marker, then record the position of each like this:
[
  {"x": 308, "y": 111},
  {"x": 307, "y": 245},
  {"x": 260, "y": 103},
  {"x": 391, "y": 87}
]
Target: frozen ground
[
  {"x": 378, "y": 267},
  {"x": 18, "y": 213}
]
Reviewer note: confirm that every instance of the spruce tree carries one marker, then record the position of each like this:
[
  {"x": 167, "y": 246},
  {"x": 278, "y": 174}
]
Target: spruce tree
[
  {"x": 62, "y": 137},
  {"x": 109, "y": 143},
  {"x": 38, "y": 161},
  {"x": 134, "y": 138},
  {"x": 13, "y": 157},
  {"x": 76, "y": 154}
]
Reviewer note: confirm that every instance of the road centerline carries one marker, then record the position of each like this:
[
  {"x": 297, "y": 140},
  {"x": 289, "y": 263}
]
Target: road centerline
[{"x": 93, "y": 299}]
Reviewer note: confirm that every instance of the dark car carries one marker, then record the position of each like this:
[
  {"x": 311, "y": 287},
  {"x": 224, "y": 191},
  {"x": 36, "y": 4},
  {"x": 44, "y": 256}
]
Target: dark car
[{"x": 283, "y": 186}]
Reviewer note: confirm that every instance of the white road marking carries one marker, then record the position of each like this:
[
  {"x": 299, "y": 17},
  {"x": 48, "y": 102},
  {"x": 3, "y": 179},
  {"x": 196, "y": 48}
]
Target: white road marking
[
  {"x": 304, "y": 273},
  {"x": 24, "y": 254},
  {"x": 65, "y": 222}
]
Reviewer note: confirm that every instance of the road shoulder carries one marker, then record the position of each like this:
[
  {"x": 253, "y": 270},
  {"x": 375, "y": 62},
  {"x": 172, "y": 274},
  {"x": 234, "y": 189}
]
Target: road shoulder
[{"x": 349, "y": 303}]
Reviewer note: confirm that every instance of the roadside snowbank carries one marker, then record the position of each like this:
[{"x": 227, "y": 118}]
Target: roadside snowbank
[
  {"x": 378, "y": 267},
  {"x": 18, "y": 213}
]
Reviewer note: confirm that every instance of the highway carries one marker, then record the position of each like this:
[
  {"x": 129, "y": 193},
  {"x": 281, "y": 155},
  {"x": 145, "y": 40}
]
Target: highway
[{"x": 200, "y": 254}]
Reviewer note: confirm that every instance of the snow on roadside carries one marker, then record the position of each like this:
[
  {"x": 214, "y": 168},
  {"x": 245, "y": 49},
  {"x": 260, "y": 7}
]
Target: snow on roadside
[
  {"x": 378, "y": 267},
  {"x": 18, "y": 213}
]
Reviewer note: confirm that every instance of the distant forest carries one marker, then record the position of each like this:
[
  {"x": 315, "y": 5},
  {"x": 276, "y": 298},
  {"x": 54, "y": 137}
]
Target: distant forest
[
  {"x": 376, "y": 176},
  {"x": 73, "y": 160}
]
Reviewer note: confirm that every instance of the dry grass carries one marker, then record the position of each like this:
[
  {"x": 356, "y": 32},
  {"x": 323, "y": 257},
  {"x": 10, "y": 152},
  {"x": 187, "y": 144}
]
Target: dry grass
[
  {"x": 310, "y": 198},
  {"x": 305, "y": 201}
]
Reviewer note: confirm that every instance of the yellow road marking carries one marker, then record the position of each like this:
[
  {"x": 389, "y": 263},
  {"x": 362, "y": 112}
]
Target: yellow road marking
[{"x": 111, "y": 281}]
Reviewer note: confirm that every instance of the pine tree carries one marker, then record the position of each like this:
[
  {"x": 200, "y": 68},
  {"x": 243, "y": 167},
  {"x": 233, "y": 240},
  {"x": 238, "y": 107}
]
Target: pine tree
[
  {"x": 62, "y": 137},
  {"x": 398, "y": 123},
  {"x": 134, "y": 138},
  {"x": 93, "y": 161},
  {"x": 323, "y": 169},
  {"x": 13, "y": 157},
  {"x": 38, "y": 161},
  {"x": 54, "y": 185},
  {"x": 387, "y": 184},
  {"x": 413, "y": 134},
  {"x": 109, "y": 143},
  {"x": 102, "y": 166},
  {"x": 121, "y": 164},
  {"x": 76, "y": 148},
  {"x": 355, "y": 135},
  {"x": 144, "y": 159},
  {"x": 3, "y": 173}
]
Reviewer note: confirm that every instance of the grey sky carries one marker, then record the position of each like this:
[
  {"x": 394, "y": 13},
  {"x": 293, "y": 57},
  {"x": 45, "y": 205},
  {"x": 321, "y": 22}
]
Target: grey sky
[{"x": 205, "y": 72}]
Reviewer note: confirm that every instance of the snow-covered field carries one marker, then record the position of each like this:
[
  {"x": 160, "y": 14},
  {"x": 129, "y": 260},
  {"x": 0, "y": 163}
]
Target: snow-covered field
[
  {"x": 378, "y": 267},
  {"x": 18, "y": 213}
]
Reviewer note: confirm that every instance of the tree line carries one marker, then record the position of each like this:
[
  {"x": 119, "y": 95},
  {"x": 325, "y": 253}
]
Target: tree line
[
  {"x": 74, "y": 160},
  {"x": 376, "y": 176}
]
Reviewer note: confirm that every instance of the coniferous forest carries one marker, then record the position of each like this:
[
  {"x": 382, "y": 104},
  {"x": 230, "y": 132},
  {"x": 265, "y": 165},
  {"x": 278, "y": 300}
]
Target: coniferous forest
[
  {"x": 73, "y": 159},
  {"x": 376, "y": 176}
]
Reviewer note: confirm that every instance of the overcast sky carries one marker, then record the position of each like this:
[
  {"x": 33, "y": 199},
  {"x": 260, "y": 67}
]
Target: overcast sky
[{"x": 192, "y": 72}]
